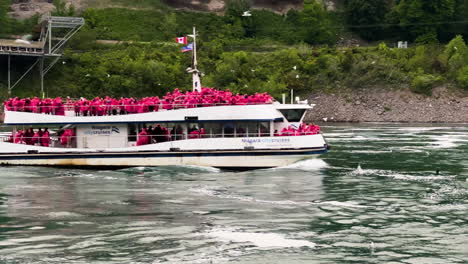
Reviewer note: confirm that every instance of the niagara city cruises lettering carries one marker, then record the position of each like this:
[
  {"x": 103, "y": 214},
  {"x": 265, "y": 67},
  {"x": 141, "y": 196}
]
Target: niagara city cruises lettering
[
  {"x": 102, "y": 130},
  {"x": 265, "y": 140}
]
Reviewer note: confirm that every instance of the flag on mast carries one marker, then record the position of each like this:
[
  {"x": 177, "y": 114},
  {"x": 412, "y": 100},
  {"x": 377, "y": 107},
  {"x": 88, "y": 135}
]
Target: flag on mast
[
  {"x": 182, "y": 40},
  {"x": 189, "y": 47}
]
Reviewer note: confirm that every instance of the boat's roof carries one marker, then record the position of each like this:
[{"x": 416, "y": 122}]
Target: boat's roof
[
  {"x": 267, "y": 112},
  {"x": 293, "y": 106}
]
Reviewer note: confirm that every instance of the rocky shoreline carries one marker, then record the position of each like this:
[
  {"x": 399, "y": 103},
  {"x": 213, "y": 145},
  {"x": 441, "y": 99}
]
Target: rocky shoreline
[{"x": 374, "y": 105}]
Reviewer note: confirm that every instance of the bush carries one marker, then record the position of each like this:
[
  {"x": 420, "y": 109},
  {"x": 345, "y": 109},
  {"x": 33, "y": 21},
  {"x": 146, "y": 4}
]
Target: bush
[
  {"x": 462, "y": 78},
  {"x": 423, "y": 83}
]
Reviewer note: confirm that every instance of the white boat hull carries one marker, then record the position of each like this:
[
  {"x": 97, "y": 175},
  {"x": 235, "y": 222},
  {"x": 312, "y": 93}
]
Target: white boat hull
[
  {"x": 231, "y": 159},
  {"x": 245, "y": 153}
]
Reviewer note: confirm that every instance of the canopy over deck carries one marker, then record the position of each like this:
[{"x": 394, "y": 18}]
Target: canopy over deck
[
  {"x": 21, "y": 47},
  {"x": 204, "y": 114}
]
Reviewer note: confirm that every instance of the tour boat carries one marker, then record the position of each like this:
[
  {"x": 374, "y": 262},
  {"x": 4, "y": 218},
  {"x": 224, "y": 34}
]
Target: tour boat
[
  {"x": 226, "y": 136},
  {"x": 235, "y": 132}
]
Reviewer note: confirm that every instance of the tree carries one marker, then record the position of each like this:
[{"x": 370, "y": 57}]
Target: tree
[
  {"x": 423, "y": 18},
  {"x": 62, "y": 10},
  {"x": 456, "y": 53},
  {"x": 367, "y": 16},
  {"x": 4, "y": 23},
  {"x": 317, "y": 24},
  {"x": 460, "y": 15},
  {"x": 235, "y": 8}
]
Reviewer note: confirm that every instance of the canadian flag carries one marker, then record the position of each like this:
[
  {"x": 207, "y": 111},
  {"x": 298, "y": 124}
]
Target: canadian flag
[{"x": 182, "y": 40}]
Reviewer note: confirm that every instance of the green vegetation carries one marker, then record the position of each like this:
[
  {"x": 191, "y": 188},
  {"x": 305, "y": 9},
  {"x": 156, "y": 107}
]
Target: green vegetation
[
  {"x": 414, "y": 20},
  {"x": 263, "y": 52},
  {"x": 155, "y": 68}
]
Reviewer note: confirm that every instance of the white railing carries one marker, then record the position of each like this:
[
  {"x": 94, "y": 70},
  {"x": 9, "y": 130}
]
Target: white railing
[
  {"x": 107, "y": 141},
  {"x": 109, "y": 110}
]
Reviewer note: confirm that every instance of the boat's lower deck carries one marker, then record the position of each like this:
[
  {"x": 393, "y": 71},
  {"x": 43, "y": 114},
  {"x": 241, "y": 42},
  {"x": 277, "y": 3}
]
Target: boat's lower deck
[{"x": 220, "y": 159}]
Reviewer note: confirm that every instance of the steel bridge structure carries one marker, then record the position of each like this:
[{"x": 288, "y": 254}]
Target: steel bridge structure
[{"x": 55, "y": 33}]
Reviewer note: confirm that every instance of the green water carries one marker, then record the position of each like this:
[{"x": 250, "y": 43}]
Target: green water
[{"x": 374, "y": 198}]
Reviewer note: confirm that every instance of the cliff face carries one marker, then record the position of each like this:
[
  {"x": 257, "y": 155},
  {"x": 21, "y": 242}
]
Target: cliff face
[
  {"x": 444, "y": 106},
  {"x": 281, "y": 6},
  {"x": 22, "y": 9}
]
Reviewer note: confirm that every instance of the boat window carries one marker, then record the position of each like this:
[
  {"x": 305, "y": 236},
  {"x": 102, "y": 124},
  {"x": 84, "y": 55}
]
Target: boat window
[
  {"x": 293, "y": 115},
  {"x": 132, "y": 132},
  {"x": 177, "y": 132},
  {"x": 241, "y": 129},
  {"x": 228, "y": 129},
  {"x": 252, "y": 129},
  {"x": 192, "y": 127},
  {"x": 213, "y": 129},
  {"x": 264, "y": 128}
]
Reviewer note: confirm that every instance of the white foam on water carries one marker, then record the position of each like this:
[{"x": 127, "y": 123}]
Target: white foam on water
[
  {"x": 144, "y": 223},
  {"x": 201, "y": 212},
  {"x": 117, "y": 202},
  {"x": 37, "y": 227},
  {"x": 203, "y": 168},
  {"x": 346, "y": 134},
  {"x": 401, "y": 176},
  {"x": 412, "y": 149},
  {"x": 307, "y": 165},
  {"x": 288, "y": 203},
  {"x": 216, "y": 193},
  {"x": 260, "y": 240},
  {"x": 418, "y": 178},
  {"x": 359, "y": 170},
  {"x": 370, "y": 151},
  {"x": 63, "y": 215},
  {"x": 420, "y": 129},
  {"x": 80, "y": 223},
  {"x": 447, "y": 141},
  {"x": 166, "y": 251},
  {"x": 15, "y": 241},
  {"x": 91, "y": 243},
  {"x": 342, "y": 204}
]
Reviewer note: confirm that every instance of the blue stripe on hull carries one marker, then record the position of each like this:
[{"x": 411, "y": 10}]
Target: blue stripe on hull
[{"x": 154, "y": 155}]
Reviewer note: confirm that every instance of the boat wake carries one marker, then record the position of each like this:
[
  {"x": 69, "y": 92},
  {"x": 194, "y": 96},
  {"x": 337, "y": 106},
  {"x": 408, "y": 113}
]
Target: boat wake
[
  {"x": 259, "y": 240},
  {"x": 173, "y": 170},
  {"x": 223, "y": 193},
  {"x": 307, "y": 165},
  {"x": 420, "y": 176}
]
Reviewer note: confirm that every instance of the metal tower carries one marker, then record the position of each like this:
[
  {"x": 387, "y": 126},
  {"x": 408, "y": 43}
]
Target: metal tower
[{"x": 55, "y": 32}]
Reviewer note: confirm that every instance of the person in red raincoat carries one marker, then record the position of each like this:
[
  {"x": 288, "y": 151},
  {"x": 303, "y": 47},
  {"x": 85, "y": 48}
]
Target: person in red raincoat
[{"x": 45, "y": 138}]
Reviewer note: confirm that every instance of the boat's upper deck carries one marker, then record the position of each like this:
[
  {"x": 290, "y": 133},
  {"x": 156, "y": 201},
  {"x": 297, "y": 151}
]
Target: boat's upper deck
[
  {"x": 203, "y": 114},
  {"x": 205, "y": 106}
]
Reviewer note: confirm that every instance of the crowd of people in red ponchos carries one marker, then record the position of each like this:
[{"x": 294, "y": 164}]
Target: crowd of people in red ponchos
[
  {"x": 112, "y": 106},
  {"x": 31, "y": 137},
  {"x": 303, "y": 129},
  {"x": 148, "y": 135},
  {"x": 158, "y": 134},
  {"x": 40, "y": 137}
]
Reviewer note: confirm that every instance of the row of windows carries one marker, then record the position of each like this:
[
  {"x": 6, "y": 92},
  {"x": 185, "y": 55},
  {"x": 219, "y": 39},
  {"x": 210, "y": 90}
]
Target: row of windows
[{"x": 183, "y": 130}]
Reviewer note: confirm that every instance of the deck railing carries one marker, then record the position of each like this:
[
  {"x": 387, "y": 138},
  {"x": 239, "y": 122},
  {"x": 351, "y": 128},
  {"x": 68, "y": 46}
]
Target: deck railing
[
  {"x": 115, "y": 141},
  {"x": 110, "y": 110}
]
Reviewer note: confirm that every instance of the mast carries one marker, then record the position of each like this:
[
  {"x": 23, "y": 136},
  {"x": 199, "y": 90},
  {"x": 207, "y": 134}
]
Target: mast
[{"x": 196, "y": 83}]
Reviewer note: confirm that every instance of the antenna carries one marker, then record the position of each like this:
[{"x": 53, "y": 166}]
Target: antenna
[{"x": 196, "y": 83}]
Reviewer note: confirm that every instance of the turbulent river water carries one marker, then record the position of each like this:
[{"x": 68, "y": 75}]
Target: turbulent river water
[{"x": 376, "y": 197}]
